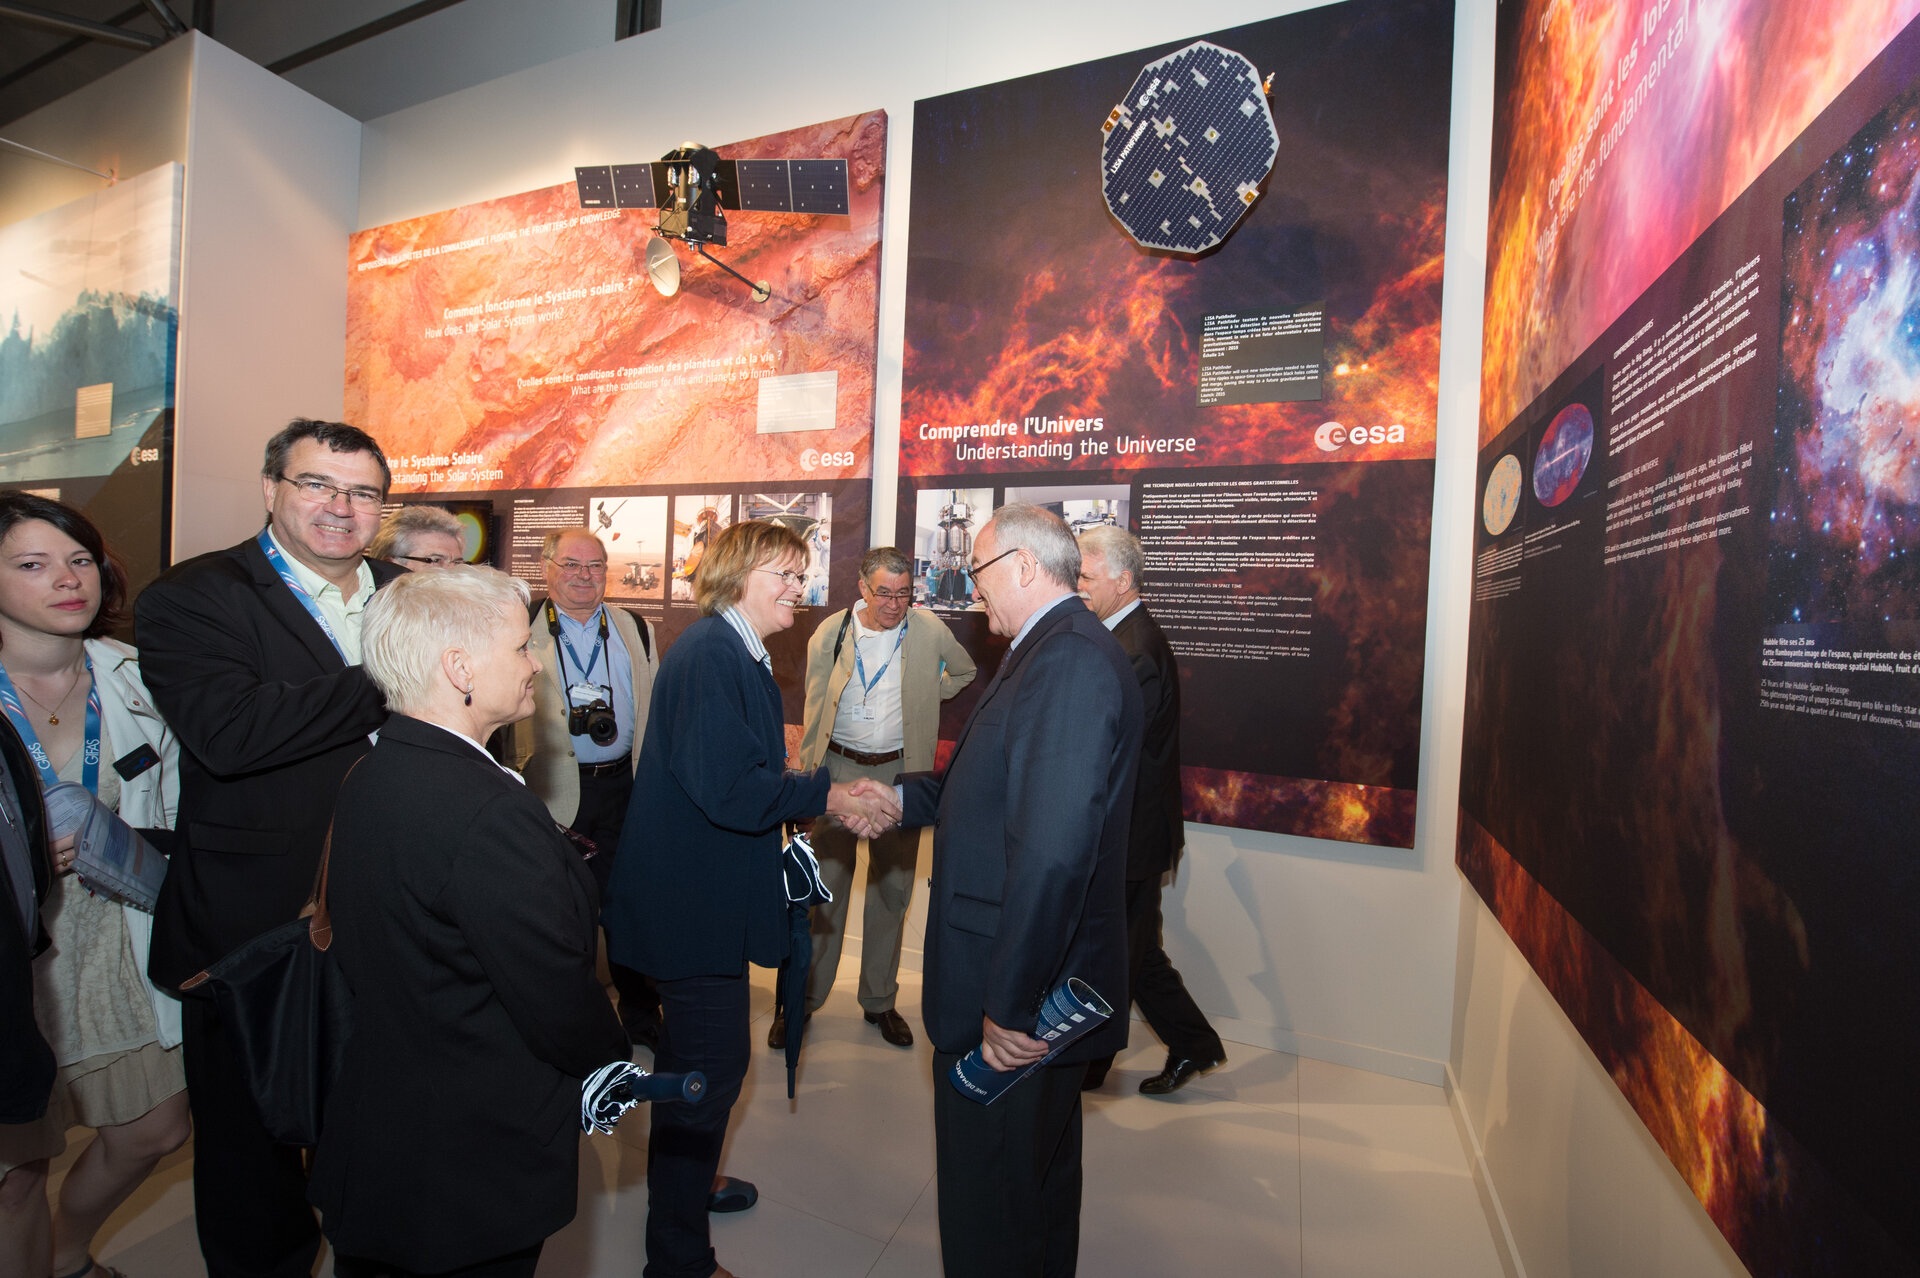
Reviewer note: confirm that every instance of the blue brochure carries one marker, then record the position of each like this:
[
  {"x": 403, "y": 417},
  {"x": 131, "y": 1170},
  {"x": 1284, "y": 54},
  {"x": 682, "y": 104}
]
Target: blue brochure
[{"x": 1069, "y": 1012}]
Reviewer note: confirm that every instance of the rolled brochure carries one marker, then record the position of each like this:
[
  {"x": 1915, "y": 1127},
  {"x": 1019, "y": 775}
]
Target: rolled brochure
[
  {"x": 110, "y": 858},
  {"x": 1069, "y": 1012}
]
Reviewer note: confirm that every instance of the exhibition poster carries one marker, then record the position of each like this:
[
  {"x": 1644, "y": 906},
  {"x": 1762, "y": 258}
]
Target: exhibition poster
[
  {"x": 1241, "y": 366},
  {"x": 516, "y": 364},
  {"x": 90, "y": 304},
  {"x": 1693, "y": 703}
]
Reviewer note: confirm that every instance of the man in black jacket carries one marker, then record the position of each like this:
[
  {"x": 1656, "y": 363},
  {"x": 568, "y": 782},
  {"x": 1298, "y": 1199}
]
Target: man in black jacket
[
  {"x": 26, "y": 1062},
  {"x": 253, "y": 655},
  {"x": 1111, "y": 566},
  {"x": 1029, "y": 869}
]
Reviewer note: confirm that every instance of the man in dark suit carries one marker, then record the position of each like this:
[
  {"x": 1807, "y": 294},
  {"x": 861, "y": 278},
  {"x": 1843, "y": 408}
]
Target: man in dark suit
[
  {"x": 1111, "y": 566},
  {"x": 252, "y": 654},
  {"x": 1029, "y": 888}
]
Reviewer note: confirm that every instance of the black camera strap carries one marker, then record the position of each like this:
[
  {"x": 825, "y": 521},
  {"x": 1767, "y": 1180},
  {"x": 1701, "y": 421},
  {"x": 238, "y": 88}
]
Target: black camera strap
[{"x": 561, "y": 647}]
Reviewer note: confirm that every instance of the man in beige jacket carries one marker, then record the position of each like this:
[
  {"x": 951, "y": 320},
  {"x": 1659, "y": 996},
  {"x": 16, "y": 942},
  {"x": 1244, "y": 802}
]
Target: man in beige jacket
[
  {"x": 876, "y": 675},
  {"x": 600, "y": 656}
]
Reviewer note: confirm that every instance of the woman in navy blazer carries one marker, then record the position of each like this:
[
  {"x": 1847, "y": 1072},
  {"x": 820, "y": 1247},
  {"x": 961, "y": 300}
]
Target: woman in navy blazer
[{"x": 696, "y": 892}]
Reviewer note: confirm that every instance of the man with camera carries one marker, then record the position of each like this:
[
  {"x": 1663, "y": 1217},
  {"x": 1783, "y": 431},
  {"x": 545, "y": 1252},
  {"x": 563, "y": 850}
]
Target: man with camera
[{"x": 589, "y": 716}]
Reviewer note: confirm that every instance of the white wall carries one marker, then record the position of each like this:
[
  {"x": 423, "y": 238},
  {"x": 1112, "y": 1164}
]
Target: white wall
[{"x": 272, "y": 179}]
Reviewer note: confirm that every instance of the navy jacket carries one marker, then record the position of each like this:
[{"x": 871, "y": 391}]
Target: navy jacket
[
  {"x": 1030, "y": 838},
  {"x": 696, "y": 887},
  {"x": 1158, "y": 830}
]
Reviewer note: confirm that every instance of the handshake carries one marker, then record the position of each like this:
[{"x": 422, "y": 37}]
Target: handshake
[{"x": 867, "y": 807}]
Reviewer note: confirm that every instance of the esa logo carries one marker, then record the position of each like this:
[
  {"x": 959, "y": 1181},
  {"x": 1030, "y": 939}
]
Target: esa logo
[
  {"x": 139, "y": 455},
  {"x": 1332, "y": 436},
  {"x": 814, "y": 457}
]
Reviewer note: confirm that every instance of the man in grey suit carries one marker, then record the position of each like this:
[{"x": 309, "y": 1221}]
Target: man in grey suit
[
  {"x": 589, "y": 653},
  {"x": 876, "y": 675},
  {"x": 1111, "y": 567},
  {"x": 1029, "y": 888}
]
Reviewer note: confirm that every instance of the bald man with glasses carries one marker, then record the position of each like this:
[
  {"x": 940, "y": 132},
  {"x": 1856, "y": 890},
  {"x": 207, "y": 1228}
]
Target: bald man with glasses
[
  {"x": 876, "y": 675},
  {"x": 590, "y": 655}
]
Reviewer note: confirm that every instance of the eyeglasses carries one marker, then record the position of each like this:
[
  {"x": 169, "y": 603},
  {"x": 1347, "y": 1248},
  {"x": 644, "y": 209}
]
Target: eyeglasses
[
  {"x": 320, "y": 491},
  {"x": 891, "y": 596},
  {"x": 432, "y": 561},
  {"x": 787, "y": 576},
  {"x": 574, "y": 568},
  {"x": 977, "y": 569}
]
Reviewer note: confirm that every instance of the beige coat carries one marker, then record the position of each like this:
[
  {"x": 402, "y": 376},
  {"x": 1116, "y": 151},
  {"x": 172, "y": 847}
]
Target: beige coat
[
  {"x": 539, "y": 745},
  {"x": 933, "y": 667}
]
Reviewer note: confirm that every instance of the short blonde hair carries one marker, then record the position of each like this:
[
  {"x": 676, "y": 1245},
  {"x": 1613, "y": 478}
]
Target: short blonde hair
[
  {"x": 414, "y": 619},
  {"x": 398, "y": 530},
  {"x": 737, "y": 551}
]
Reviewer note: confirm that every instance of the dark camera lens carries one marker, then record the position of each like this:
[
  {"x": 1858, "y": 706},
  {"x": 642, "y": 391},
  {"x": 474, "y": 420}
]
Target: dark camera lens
[{"x": 601, "y": 725}]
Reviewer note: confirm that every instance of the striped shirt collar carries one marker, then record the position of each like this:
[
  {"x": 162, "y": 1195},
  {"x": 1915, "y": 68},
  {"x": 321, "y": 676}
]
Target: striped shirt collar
[{"x": 749, "y": 636}]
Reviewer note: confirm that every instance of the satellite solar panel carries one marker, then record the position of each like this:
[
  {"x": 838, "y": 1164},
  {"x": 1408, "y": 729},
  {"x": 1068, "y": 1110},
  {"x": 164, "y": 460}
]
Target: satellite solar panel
[
  {"x": 633, "y": 186},
  {"x": 595, "y": 186},
  {"x": 763, "y": 186},
  {"x": 819, "y": 186},
  {"x": 1185, "y": 152}
]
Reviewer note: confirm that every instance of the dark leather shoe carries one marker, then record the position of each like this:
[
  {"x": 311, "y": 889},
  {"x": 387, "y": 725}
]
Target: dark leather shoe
[
  {"x": 777, "y": 1032},
  {"x": 733, "y": 1195},
  {"x": 642, "y": 1033},
  {"x": 893, "y": 1027},
  {"x": 1180, "y": 1071},
  {"x": 1096, "y": 1075}
]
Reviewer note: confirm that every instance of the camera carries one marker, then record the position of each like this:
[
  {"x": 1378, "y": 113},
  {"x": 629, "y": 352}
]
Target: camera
[{"x": 594, "y": 720}]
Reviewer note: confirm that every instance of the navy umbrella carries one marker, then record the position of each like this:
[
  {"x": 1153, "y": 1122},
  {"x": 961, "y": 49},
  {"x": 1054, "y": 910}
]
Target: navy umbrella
[{"x": 801, "y": 870}]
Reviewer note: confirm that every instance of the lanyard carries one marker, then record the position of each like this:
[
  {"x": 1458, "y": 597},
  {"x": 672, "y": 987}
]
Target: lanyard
[
  {"x": 860, "y": 667},
  {"x": 279, "y": 563},
  {"x": 90, "y": 742},
  {"x": 599, "y": 646}
]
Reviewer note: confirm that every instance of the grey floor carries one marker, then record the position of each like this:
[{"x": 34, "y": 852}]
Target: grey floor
[{"x": 1271, "y": 1165}]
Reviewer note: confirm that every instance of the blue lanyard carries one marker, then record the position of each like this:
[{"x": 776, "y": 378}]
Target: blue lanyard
[
  {"x": 860, "y": 667},
  {"x": 599, "y": 646},
  {"x": 90, "y": 742},
  {"x": 279, "y": 563}
]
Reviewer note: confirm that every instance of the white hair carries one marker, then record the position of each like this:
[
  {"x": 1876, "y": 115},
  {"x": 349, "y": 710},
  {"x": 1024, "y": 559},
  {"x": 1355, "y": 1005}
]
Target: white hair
[
  {"x": 1118, "y": 548},
  {"x": 1042, "y": 533},
  {"x": 412, "y": 621}
]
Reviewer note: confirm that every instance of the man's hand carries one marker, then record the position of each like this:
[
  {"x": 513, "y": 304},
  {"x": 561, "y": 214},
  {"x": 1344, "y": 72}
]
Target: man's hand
[
  {"x": 866, "y": 807},
  {"x": 1004, "y": 1049}
]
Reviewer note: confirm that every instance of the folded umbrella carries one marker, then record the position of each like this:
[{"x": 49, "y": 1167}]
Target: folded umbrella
[
  {"x": 801, "y": 870},
  {"x": 618, "y": 1086}
]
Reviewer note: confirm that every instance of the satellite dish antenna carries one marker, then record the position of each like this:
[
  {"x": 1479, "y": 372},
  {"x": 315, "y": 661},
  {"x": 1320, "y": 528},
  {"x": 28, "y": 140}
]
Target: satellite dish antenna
[{"x": 663, "y": 267}]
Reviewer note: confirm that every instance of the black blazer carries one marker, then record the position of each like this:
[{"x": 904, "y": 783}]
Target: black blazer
[
  {"x": 1030, "y": 838},
  {"x": 26, "y": 1062},
  {"x": 696, "y": 887},
  {"x": 1158, "y": 831},
  {"x": 269, "y": 719},
  {"x": 464, "y": 921}
]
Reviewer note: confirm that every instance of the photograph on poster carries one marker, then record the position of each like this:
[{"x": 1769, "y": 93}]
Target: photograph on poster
[
  {"x": 697, "y": 520},
  {"x": 1256, "y": 398},
  {"x": 811, "y": 516},
  {"x": 945, "y": 521},
  {"x": 1692, "y": 722},
  {"x": 1081, "y": 505},
  {"x": 90, "y": 304},
  {"x": 634, "y": 531}
]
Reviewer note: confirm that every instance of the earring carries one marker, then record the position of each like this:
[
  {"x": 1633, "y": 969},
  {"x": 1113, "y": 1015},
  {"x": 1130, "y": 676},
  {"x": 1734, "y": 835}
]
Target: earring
[{"x": 469, "y": 696}]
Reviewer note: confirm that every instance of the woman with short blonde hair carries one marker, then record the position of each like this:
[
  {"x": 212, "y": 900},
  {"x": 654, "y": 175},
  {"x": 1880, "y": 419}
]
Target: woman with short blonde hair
[{"x": 722, "y": 576}]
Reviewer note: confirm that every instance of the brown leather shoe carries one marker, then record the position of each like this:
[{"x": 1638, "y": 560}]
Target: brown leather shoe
[
  {"x": 893, "y": 1027},
  {"x": 777, "y": 1032}
]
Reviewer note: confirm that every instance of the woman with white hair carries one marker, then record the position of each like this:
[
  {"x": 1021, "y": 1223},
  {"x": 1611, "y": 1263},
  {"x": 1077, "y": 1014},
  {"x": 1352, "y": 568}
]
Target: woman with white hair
[{"x": 465, "y": 921}]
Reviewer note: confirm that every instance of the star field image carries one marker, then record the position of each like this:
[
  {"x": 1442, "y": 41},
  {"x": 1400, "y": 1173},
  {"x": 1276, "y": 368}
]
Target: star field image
[{"x": 1844, "y": 534}]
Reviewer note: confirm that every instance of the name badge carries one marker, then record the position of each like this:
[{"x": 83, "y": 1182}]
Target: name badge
[
  {"x": 583, "y": 694},
  {"x": 862, "y": 714}
]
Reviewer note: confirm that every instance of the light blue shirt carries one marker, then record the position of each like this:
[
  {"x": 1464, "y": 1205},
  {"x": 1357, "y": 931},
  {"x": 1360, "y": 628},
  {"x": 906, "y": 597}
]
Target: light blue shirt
[
  {"x": 756, "y": 648},
  {"x": 1120, "y": 615},
  {"x": 613, "y": 670},
  {"x": 1038, "y": 613}
]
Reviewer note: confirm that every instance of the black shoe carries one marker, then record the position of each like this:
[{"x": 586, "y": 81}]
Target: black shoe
[
  {"x": 1096, "y": 1075},
  {"x": 642, "y": 1033},
  {"x": 1180, "y": 1071},
  {"x": 777, "y": 1032},
  {"x": 733, "y": 1195},
  {"x": 893, "y": 1027}
]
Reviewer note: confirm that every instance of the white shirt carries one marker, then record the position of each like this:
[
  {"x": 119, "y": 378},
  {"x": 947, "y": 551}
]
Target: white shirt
[
  {"x": 756, "y": 648},
  {"x": 483, "y": 751},
  {"x": 871, "y": 721},
  {"x": 1120, "y": 614}
]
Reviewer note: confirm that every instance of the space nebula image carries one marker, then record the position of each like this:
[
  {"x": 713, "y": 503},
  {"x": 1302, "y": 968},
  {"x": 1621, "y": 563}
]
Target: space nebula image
[{"x": 1845, "y": 523}]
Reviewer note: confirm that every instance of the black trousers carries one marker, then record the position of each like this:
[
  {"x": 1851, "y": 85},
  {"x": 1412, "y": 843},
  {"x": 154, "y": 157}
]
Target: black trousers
[
  {"x": 602, "y": 811},
  {"x": 249, "y": 1194},
  {"x": 1009, "y": 1175},
  {"x": 1155, "y": 983},
  {"x": 515, "y": 1264},
  {"x": 704, "y": 1027}
]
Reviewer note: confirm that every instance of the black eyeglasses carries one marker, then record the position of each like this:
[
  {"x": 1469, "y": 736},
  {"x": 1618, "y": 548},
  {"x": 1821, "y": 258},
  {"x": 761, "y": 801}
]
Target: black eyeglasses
[
  {"x": 977, "y": 569},
  {"x": 891, "y": 596},
  {"x": 432, "y": 561},
  {"x": 320, "y": 491}
]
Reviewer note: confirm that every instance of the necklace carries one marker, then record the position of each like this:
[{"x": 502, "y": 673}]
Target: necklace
[{"x": 53, "y": 715}]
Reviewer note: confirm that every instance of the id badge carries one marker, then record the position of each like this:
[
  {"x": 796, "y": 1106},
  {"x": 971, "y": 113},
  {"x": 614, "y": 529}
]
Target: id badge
[
  {"x": 861, "y": 714},
  {"x": 583, "y": 694}
]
